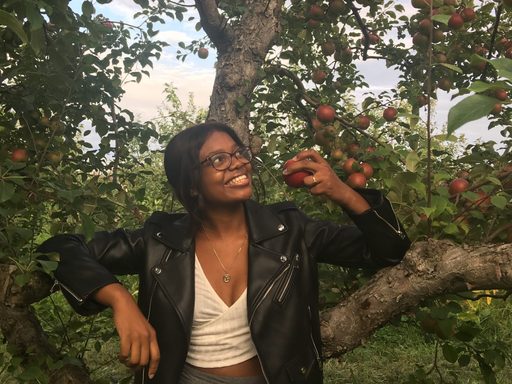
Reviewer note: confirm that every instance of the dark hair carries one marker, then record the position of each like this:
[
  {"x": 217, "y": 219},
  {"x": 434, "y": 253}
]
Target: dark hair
[{"x": 181, "y": 162}]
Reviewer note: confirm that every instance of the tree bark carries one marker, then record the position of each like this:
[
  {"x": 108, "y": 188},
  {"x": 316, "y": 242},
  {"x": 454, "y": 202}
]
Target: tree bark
[
  {"x": 430, "y": 268},
  {"x": 22, "y": 329},
  {"x": 242, "y": 46}
]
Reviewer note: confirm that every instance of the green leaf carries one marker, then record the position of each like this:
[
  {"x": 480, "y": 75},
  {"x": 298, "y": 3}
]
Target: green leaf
[
  {"x": 198, "y": 26},
  {"x": 450, "y": 353},
  {"x": 499, "y": 201},
  {"x": 452, "y": 67},
  {"x": 443, "y": 19},
  {"x": 471, "y": 108},
  {"x": 14, "y": 24},
  {"x": 88, "y": 226},
  {"x": 88, "y": 9},
  {"x": 503, "y": 66},
  {"x": 464, "y": 360},
  {"x": 38, "y": 40},
  {"x": 451, "y": 229},
  {"x": 480, "y": 86},
  {"x": 6, "y": 191},
  {"x": 411, "y": 161},
  {"x": 48, "y": 266}
]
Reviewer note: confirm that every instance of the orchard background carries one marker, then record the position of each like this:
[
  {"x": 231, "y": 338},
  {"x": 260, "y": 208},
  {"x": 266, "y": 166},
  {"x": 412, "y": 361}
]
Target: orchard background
[{"x": 287, "y": 78}]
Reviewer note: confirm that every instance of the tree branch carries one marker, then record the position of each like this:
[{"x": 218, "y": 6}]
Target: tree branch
[
  {"x": 214, "y": 24},
  {"x": 430, "y": 268}
]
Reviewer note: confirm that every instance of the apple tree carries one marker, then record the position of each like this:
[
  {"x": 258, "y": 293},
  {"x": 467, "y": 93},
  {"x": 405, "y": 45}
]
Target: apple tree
[{"x": 288, "y": 76}]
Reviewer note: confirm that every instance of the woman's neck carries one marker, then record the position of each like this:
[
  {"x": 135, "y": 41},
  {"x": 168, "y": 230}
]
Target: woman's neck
[{"x": 225, "y": 222}]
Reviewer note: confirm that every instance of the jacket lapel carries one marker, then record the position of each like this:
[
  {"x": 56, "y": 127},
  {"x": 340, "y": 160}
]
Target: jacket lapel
[
  {"x": 175, "y": 274},
  {"x": 265, "y": 264}
]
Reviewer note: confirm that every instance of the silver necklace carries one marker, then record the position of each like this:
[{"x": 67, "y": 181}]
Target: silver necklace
[{"x": 226, "y": 277}]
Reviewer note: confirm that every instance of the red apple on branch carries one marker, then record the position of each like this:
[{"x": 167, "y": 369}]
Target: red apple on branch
[
  {"x": 202, "y": 53},
  {"x": 501, "y": 94},
  {"x": 363, "y": 122},
  {"x": 390, "y": 114},
  {"x": 456, "y": 21},
  {"x": 350, "y": 166},
  {"x": 468, "y": 14},
  {"x": 325, "y": 113},
  {"x": 457, "y": 186},
  {"x": 367, "y": 170},
  {"x": 318, "y": 76},
  {"x": 19, "y": 155},
  {"x": 356, "y": 180}
]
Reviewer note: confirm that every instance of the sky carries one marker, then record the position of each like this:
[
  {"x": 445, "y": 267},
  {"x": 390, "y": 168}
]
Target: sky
[{"x": 195, "y": 76}]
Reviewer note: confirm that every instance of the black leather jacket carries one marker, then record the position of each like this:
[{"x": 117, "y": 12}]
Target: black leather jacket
[{"x": 282, "y": 295}]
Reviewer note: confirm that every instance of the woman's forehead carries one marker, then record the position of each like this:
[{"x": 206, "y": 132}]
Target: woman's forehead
[{"x": 218, "y": 142}]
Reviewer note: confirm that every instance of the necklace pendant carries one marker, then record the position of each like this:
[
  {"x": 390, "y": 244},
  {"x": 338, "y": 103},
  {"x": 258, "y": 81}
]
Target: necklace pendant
[{"x": 226, "y": 278}]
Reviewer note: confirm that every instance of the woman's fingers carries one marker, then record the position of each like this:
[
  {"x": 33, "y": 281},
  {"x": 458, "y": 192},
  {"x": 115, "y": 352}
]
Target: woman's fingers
[{"x": 154, "y": 351}]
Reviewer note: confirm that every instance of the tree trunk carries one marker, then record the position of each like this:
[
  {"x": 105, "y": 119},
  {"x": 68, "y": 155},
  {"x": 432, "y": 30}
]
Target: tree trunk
[
  {"x": 242, "y": 47},
  {"x": 22, "y": 329},
  {"x": 430, "y": 268}
]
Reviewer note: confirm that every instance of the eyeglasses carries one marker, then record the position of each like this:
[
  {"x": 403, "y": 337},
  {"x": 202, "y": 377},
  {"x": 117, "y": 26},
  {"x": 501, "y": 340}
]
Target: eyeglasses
[{"x": 222, "y": 160}]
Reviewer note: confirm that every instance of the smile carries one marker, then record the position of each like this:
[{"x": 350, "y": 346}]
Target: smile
[{"x": 242, "y": 179}]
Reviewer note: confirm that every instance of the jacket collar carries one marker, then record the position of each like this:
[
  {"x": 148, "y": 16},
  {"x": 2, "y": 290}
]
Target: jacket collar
[{"x": 263, "y": 224}]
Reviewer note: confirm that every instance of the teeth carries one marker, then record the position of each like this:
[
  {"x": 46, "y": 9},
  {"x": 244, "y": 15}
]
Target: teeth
[{"x": 238, "y": 179}]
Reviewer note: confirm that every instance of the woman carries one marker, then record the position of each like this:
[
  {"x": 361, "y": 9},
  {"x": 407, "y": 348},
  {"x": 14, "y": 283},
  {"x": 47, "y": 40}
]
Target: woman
[{"x": 228, "y": 292}]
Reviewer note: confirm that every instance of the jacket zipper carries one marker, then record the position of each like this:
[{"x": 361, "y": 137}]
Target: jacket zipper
[
  {"x": 267, "y": 291},
  {"x": 282, "y": 293},
  {"x": 397, "y": 229},
  {"x": 258, "y": 303},
  {"x": 67, "y": 289},
  {"x": 319, "y": 361},
  {"x": 153, "y": 289}
]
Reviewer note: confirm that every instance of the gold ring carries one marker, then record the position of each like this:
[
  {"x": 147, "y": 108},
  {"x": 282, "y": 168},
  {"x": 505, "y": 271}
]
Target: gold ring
[{"x": 314, "y": 180}]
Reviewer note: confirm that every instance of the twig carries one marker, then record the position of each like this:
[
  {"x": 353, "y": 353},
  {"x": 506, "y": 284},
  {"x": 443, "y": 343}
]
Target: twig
[
  {"x": 364, "y": 30},
  {"x": 484, "y": 295}
]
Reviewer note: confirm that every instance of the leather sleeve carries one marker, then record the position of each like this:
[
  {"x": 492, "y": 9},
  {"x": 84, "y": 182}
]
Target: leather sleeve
[
  {"x": 84, "y": 268},
  {"x": 377, "y": 240}
]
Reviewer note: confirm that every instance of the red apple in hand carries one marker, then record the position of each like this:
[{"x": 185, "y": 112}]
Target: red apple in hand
[{"x": 295, "y": 179}]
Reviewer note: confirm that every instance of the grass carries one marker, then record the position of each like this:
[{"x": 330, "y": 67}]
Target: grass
[{"x": 395, "y": 353}]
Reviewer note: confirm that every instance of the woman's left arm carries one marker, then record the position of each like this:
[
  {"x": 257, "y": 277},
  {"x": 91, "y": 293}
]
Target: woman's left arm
[{"x": 377, "y": 240}]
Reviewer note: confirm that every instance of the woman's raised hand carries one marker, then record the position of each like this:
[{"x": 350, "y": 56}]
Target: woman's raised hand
[{"x": 323, "y": 181}]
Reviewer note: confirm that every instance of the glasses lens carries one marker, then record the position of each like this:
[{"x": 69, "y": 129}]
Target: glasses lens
[
  {"x": 221, "y": 161},
  {"x": 244, "y": 154}
]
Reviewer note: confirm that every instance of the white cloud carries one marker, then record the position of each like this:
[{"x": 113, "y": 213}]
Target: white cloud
[
  {"x": 144, "y": 98},
  {"x": 174, "y": 37}
]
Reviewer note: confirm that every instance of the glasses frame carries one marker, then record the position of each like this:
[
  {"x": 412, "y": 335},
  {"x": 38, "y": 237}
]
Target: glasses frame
[{"x": 237, "y": 153}]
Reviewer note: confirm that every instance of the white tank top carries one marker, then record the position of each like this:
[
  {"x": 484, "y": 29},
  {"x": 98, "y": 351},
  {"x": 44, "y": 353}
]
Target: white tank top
[{"x": 220, "y": 334}]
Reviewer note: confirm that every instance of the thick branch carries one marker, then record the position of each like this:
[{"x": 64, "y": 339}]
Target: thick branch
[
  {"x": 214, "y": 24},
  {"x": 430, "y": 268}
]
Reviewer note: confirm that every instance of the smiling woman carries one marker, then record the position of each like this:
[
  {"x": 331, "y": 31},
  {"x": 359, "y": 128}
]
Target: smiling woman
[{"x": 228, "y": 291}]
